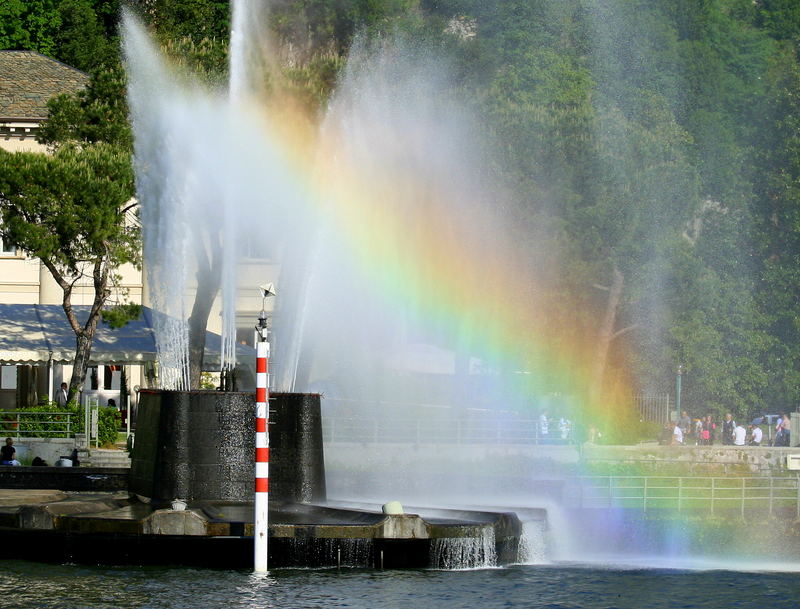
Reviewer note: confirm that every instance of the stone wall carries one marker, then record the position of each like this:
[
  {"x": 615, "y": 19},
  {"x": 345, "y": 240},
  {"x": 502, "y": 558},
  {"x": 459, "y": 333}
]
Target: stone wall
[
  {"x": 49, "y": 449},
  {"x": 717, "y": 460}
]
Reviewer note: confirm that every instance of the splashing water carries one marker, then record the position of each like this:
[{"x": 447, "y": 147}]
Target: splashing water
[
  {"x": 477, "y": 552},
  {"x": 533, "y": 543}
]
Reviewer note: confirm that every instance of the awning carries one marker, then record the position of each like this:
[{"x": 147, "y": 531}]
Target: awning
[{"x": 40, "y": 333}]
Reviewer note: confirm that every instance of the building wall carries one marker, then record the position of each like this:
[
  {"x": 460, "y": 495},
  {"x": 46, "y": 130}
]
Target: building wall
[{"x": 20, "y": 137}]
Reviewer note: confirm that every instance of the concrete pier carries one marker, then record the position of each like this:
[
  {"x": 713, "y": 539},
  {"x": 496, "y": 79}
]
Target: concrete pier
[
  {"x": 198, "y": 447},
  {"x": 117, "y": 528}
]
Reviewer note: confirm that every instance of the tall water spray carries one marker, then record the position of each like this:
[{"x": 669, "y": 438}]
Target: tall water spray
[
  {"x": 210, "y": 182},
  {"x": 389, "y": 250},
  {"x": 399, "y": 290}
]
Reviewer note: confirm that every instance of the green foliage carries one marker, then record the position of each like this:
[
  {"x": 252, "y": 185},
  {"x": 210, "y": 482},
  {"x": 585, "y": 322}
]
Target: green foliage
[
  {"x": 107, "y": 426},
  {"x": 97, "y": 114},
  {"x": 57, "y": 426},
  {"x": 29, "y": 24},
  {"x": 194, "y": 19},
  {"x": 658, "y": 139},
  {"x": 81, "y": 39},
  {"x": 81, "y": 33},
  {"x": 312, "y": 83},
  {"x": 67, "y": 208},
  {"x": 207, "y": 381},
  {"x": 331, "y": 24},
  {"x": 119, "y": 315},
  {"x": 781, "y": 18},
  {"x": 206, "y": 58}
]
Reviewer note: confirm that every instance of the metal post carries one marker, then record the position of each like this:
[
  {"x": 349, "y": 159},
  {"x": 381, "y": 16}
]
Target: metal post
[
  {"x": 713, "y": 484},
  {"x": 261, "y": 533},
  {"x": 50, "y": 378},
  {"x": 797, "y": 493},
  {"x": 771, "y": 493},
  {"x": 644, "y": 495},
  {"x": 678, "y": 375},
  {"x": 743, "y": 493}
]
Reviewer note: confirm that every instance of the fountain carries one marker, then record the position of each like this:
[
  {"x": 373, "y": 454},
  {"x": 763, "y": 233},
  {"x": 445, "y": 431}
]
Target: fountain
[{"x": 352, "y": 308}]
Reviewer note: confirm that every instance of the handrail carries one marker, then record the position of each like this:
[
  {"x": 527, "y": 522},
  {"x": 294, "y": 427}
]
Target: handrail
[
  {"x": 37, "y": 423},
  {"x": 691, "y": 492},
  {"x": 477, "y": 429}
]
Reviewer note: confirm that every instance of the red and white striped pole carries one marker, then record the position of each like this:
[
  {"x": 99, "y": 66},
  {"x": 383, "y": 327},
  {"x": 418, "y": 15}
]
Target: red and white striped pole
[
  {"x": 261, "y": 534},
  {"x": 262, "y": 457}
]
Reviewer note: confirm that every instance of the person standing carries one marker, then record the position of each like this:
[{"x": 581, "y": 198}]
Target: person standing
[
  {"x": 708, "y": 430},
  {"x": 62, "y": 396},
  {"x": 564, "y": 428},
  {"x": 728, "y": 425},
  {"x": 698, "y": 432},
  {"x": 544, "y": 427},
  {"x": 784, "y": 430},
  {"x": 677, "y": 435},
  {"x": 739, "y": 435},
  {"x": 685, "y": 423}
]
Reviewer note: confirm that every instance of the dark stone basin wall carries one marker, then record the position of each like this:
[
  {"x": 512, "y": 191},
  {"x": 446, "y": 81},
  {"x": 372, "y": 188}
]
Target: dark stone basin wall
[
  {"x": 297, "y": 462},
  {"x": 200, "y": 446}
]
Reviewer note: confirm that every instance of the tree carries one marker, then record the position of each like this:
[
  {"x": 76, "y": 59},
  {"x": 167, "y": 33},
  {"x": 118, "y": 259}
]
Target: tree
[
  {"x": 69, "y": 209},
  {"x": 73, "y": 209},
  {"x": 30, "y": 25},
  {"x": 81, "y": 39}
]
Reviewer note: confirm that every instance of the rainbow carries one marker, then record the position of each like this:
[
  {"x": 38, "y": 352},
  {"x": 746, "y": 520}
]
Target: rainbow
[{"x": 458, "y": 276}]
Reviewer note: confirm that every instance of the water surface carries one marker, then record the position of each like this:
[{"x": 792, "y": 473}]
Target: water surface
[{"x": 25, "y": 585}]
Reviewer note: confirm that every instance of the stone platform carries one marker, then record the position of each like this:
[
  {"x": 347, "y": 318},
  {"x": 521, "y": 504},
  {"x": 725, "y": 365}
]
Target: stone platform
[{"x": 117, "y": 528}]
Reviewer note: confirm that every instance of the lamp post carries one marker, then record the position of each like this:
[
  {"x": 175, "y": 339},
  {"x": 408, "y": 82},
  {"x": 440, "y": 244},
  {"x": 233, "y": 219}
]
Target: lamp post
[
  {"x": 261, "y": 533},
  {"x": 678, "y": 375}
]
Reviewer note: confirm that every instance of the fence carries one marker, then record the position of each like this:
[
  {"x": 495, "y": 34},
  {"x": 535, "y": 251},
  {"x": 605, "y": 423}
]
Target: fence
[
  {"x": 477, "y": 430},
  {"x": 37, "y": 424},
  {"x": 769, "y": 494},
  {"x": 653, "y": 408}
]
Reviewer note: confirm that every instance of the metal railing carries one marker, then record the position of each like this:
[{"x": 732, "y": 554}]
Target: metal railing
[
  {"x": 478, "y": 430},
  {"x": 770, "y": 494},
  {"x": 653, "y": 408},
  {"x": 37, "y": 424}
]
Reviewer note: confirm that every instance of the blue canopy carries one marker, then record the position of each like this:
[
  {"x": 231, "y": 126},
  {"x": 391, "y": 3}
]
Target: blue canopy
[{"x": 40, "y": 333}]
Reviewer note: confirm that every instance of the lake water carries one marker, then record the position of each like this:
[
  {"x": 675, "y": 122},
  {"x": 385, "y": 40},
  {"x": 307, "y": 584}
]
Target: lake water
[{"x": 630, "y": 585}]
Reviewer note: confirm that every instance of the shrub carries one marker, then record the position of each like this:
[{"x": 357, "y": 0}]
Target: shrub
[{"x": 56, "y": 424}]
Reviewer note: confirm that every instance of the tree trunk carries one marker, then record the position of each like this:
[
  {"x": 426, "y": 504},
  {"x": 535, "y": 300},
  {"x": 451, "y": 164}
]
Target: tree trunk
[
  {"x": 84, "y": 335},
  {"x": 83, "y": 349},
  {"x": 606, "y": 333},
  {"x": 198, "y": 321}
]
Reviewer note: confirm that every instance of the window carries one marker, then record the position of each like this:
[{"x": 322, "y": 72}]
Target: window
[
  {"x": 6, "y": 250},
  {"x": 8, "y": 377},
  {"x": 111, "y": 377}
]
